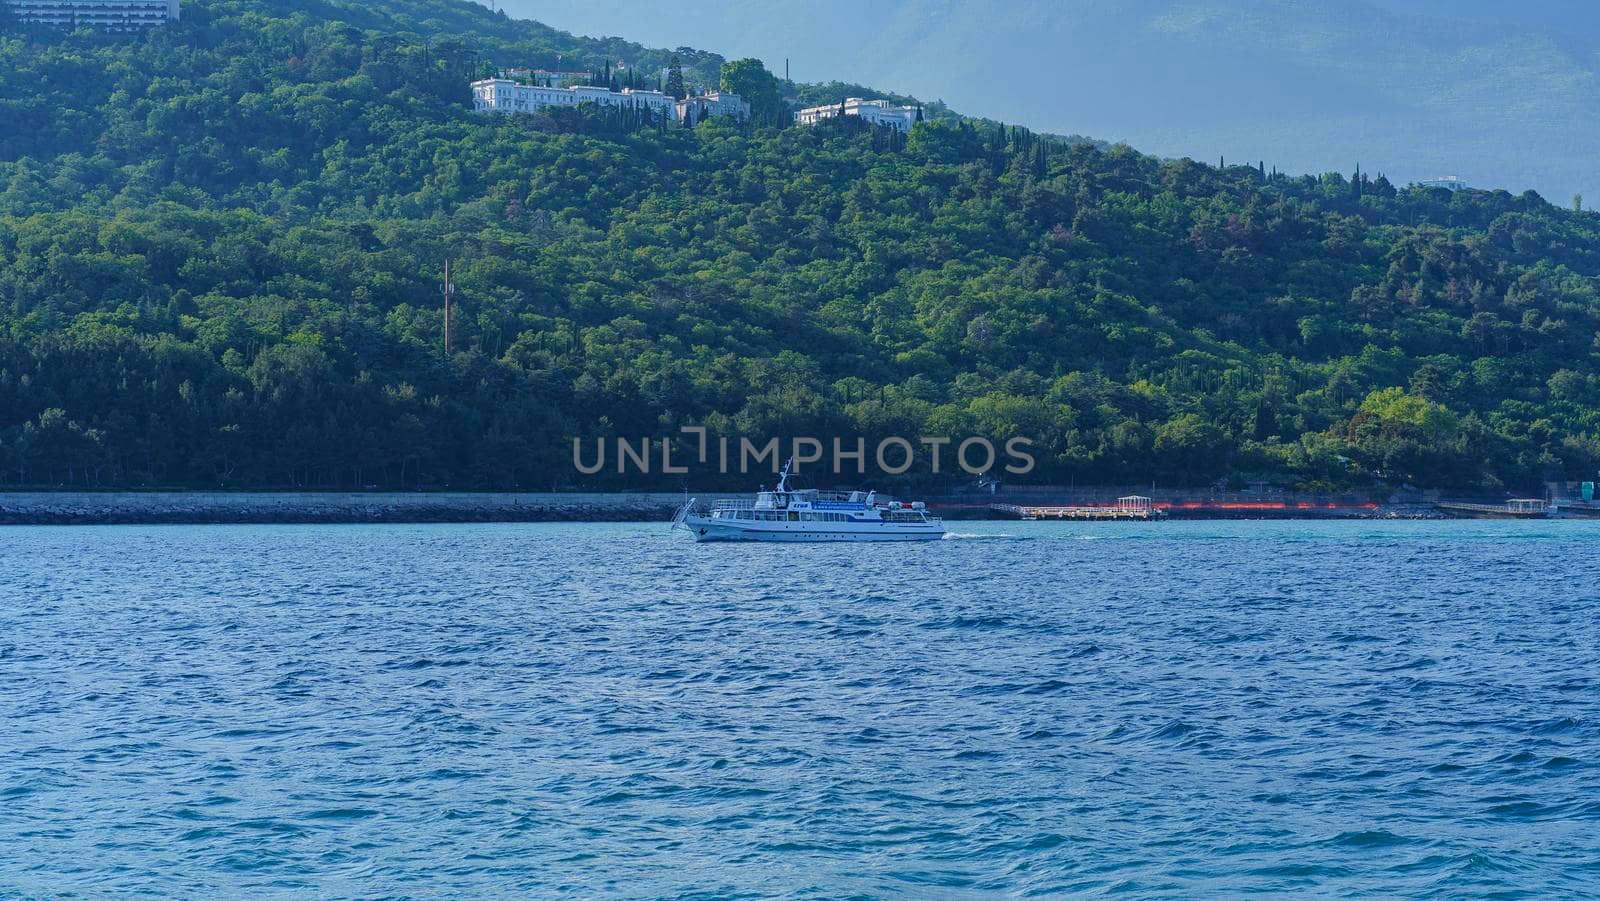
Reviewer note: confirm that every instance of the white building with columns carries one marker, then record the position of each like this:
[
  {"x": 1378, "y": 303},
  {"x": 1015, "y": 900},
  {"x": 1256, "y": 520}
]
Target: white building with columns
[
  {"x": 546, "y": 77},
  {"x": 502, "y": 95},
  {"x": 117, "y": 16},
  {"x": 878, "y": 112},
  {"x": 714, "y": 103}
]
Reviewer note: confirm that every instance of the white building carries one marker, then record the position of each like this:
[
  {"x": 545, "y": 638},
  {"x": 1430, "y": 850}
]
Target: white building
[
  {"x": 1448, "y": 182},
  {"x": 123, "y": 16},
  {"x": 548, "y": 78},
  {"x": 502, "y": 95},
  {"x": 714, "y": 103},
  {"x": 878, "y": 112}
]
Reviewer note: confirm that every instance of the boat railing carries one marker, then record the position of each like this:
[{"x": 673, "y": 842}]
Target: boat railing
[
  {"x": 733, "y": 505},
  {"x": 909, "y": 516}
]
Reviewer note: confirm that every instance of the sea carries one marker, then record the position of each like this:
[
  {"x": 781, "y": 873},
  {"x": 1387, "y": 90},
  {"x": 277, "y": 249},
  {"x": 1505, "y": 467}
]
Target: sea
[{"x": 1172, "y": 709}]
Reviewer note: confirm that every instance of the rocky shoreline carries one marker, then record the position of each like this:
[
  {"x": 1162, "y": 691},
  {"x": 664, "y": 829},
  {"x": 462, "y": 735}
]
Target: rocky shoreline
[{"x": 201, "y": 508}]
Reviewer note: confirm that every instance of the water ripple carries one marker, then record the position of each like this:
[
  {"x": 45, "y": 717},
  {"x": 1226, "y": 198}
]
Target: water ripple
[{"x": 1035, "y": 709}]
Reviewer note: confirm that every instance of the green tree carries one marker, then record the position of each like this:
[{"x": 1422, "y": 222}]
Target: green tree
[
  {"x": 674, "y": 85},
  {"x": 1192, "y": 451},
  {"x": 750, "y": 80}
]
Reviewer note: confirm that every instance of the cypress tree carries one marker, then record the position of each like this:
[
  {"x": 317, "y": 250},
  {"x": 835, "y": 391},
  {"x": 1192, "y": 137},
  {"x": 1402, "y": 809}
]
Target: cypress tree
[{"x": 674, "y": 85}]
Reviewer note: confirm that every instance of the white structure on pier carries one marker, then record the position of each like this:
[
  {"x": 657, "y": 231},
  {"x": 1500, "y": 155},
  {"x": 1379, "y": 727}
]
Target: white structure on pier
[
  {"x": 117, "y": 16},
  {"x": 502, "y": 95},
  {"x": 878, "y": 112}
]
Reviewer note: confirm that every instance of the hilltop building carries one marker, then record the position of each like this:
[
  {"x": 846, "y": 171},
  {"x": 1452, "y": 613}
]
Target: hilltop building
[
  {"x": 115, "y": 16},
  {"x": 1448, "y": 182},
  {"x": 878, "y": 112},
  {"x": 714, "y": 103},
  {"x": 503, "y": 95},
  {"x": 546, "y": 78}
]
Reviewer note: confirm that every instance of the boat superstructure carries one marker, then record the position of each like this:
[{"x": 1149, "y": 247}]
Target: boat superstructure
[{"x": 808, "y": 514}]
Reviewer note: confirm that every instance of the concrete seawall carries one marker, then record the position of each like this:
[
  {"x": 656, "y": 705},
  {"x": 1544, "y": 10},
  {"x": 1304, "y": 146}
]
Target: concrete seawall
[
  {"x": 85, "y": 508},
  {"x": 136, "y": 507}
]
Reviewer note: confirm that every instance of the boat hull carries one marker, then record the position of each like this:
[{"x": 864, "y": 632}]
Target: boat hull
[{"x": 709, "y": 529}]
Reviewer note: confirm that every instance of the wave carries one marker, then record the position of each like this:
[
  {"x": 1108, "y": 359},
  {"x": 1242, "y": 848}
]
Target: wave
[{"x": 978, "y": 536}]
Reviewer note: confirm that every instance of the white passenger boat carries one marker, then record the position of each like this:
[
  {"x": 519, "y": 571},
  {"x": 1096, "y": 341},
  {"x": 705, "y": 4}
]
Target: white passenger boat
[{"x": 810, "y": 515}]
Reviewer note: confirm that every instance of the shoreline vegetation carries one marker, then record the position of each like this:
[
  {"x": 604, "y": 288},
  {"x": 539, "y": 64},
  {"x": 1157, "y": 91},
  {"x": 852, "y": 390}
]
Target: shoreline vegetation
[{"x": 221, "y": 247}]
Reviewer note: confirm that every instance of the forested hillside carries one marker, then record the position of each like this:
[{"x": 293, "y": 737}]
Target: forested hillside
[{"x": 220, "y": 248}]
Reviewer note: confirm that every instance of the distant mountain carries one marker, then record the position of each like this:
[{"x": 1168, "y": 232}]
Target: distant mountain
[{"x": 1500, "y": 94}]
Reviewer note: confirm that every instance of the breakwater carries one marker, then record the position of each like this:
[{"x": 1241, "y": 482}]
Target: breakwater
[
  {"x": 139, "y": 507},
  {"x": 221, "y": 507}
]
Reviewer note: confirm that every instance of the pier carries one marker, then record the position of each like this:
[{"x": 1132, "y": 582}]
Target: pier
[
  {"x": 1133, "y": 507},
  {"x": 1516, "y": 508}
]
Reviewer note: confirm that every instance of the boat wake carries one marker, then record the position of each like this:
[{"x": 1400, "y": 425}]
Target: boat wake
[{"x": 974, "y": 536}]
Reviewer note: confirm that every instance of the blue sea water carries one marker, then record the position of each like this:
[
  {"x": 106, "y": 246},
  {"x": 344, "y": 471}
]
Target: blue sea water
[{"x": 1171, "y": 709}]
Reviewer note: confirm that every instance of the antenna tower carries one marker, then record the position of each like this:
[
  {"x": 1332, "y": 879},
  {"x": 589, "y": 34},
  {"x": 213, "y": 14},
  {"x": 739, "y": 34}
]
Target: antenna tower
[{"x": 449, "y": 291}]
